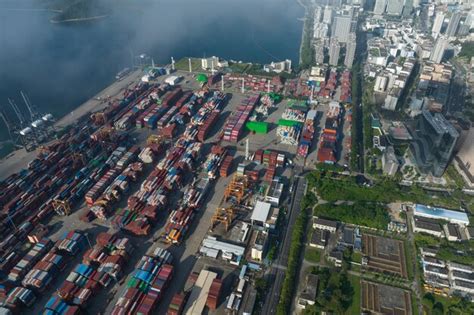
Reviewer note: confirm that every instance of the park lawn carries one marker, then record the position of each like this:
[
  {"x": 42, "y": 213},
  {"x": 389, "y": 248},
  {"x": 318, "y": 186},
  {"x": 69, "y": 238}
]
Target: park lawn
[
  {"x": 357, "y": 257},
  {"x": 414, "y": 303},
  {"x": 355, "y": 306},
  {"x": 312, "y": 255}
]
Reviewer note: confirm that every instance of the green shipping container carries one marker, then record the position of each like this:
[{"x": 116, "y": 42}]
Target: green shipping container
[
  {"x": 288, "y": 123},
  {"x": 257, "y": 127}
]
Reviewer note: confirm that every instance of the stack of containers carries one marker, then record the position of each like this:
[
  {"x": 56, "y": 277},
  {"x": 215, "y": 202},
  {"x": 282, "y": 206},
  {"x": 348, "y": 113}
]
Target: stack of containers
[
  {"x": 151, "y": 118},
  {"x": 19, "y": 297},
  {"x": 307, "y": 134},
  {"x": 100, "y": 264},
  {"x": 71, "y": 242},
  {"x": 214, "y": 160},
  {"x": 209, "y": 123},
  {"x": 178, "y": 223},
  {"x": 214, "y": 294},
  {"x": 329, "y": 137},
  {"x": 236, "y": 121},
  {"x": 140, "y": 120},
  {"x": 29, "y": 260},
  {"x": 56, "y": 305},
  {"x": 114, "y": 177},
  {"x": 145, "y": 287},
  {"x": 226, "y": 166},
  {"x": 177, "y": 304},
  {"x": 44, "y": 272}
]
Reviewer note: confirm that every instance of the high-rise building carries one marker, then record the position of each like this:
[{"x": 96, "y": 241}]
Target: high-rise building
[
  {"x": 334, "y": 50},
  {"x": 318, "y": 13},
  {"x": 380, "y": 6},
  {"x": 319, "y": 51},
  {"x": 327, "y": 15},
  {"x": 437, "y": 24},
  {"x": 465, "y": 25},
  {"x": 453, "y": 24},
  {"x": 350, "y": 50},
  {"x": 395, "y": 7},
  {"x": 320, "y": 30},
  {"x": 408, "y": 8},
  {"x": 433, "y": 143},
  {"x": 342, "y": 27},
  {"x": 439, "y": 49}
]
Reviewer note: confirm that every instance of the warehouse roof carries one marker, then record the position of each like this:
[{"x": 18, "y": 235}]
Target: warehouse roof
[
  {"x": 212, "y": 243},
  {"x": 260, "y": 211},
  {"x": 198, "y": 297},
  {"x": 440, "y": 213}
]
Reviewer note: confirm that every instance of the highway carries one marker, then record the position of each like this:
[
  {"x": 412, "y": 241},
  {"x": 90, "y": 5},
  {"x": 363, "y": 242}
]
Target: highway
[{"x": 276, "y": 273}]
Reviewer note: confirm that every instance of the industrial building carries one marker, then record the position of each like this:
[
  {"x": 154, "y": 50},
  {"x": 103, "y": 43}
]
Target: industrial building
[
  {"x": 310, "y": 291},
  {"x": 437, "y": 213},
  {"x": 323, "y": 224}
]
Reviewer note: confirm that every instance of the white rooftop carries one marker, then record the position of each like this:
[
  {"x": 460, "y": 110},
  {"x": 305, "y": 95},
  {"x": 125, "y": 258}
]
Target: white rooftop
[
  {"x": 212, "y": 243},
  {"x": 260, "y": 211}
]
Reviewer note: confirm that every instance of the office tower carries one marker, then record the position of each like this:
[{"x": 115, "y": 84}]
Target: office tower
[
  {"x": 395, "y": 7},
  {"x": 438, "y": 50},
  {"x": 437, "y": 24},
  {"x": 433, "y": 143},
  {"x": 334, "y": 50},
  {"x": 350, "y": 50},
  {"x": 380, "y": 6},
  {"x": 453, "y": 24},
  {"x": 341, "y": 27}
]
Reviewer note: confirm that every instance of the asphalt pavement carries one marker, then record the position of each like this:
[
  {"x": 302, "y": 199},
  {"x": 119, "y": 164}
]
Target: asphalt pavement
[{"x": 276, "y": 272}]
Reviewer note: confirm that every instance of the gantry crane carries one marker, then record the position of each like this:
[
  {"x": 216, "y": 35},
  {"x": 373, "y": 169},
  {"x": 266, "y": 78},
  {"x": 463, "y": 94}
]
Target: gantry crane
[{"x": 223, "y": 215}]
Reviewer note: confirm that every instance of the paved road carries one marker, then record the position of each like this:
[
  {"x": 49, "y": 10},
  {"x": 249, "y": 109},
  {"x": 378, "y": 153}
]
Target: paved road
[
  {"x": 415, "y": 284},
  {"x": 276, "y": 272}
]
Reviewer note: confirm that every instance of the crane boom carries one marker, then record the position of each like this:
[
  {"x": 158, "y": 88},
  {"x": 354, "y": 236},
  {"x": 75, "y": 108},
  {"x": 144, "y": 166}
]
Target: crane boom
[{"x": 17, "y": 111}]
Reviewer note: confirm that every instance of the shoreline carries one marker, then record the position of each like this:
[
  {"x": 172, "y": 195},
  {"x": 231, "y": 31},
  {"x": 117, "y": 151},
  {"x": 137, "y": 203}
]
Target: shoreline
[
  {"x": 304, "y": 28},
  {"x": 19, "y": 159},
  {"x": 78, "y": 20}
]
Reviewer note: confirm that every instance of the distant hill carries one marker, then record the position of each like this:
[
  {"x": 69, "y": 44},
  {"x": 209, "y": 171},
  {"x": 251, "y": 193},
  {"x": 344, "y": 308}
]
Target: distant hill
[{"x": 77, "y": 10}]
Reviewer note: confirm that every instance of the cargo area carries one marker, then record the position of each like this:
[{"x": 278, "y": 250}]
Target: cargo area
[{"x": 170, "y": 179}]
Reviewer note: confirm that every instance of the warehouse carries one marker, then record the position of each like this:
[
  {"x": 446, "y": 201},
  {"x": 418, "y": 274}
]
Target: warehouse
[
  {"x": 260, "y": 213},
  {"x": 456, "y": 217},
  {"x": 428, "y": 226},
  {"x": 198, "y": 297},
  {"x": 211, "y": 247},
  {"x": 274, "y": 193}
]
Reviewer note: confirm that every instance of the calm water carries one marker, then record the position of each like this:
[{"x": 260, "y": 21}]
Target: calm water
[{"x": 60, "y": 66}]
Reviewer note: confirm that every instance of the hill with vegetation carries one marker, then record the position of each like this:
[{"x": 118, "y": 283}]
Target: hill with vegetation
[{"x": 78, "y": 10}]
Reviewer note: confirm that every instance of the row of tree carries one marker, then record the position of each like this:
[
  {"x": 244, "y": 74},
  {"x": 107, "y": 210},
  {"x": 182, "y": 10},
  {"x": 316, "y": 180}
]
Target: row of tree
[{"x": 297, "y": 245}]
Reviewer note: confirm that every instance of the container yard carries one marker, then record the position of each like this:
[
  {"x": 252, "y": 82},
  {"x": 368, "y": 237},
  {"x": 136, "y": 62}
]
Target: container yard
[{"x": 157, "y": 185}]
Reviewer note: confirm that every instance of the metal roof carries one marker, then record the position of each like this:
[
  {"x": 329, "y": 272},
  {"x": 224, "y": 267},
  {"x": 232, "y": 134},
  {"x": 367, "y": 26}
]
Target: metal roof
[
  {"x": 212, "y": 243},
  {"x": 260, "y": 211}
]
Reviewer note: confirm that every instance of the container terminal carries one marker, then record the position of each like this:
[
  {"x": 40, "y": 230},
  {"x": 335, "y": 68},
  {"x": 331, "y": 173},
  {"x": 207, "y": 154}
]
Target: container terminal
[{"x": 167, "y": 192}]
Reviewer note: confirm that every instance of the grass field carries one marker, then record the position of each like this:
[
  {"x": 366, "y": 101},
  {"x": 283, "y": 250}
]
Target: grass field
[
  {"x": 355, "y": 306},
  {"x": 183, "y": 64},
  {"x": 312, "y": 255}
]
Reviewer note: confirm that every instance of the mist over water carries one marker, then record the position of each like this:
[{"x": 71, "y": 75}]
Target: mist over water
[{"x": 60, "y": 66}]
